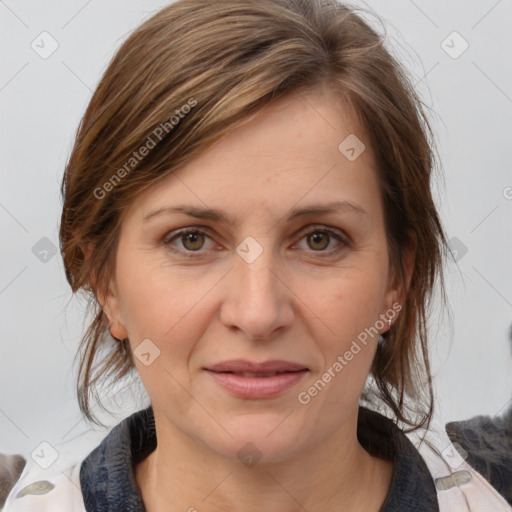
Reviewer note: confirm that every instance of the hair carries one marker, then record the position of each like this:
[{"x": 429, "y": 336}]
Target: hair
[{"x": 210, "y": 65}]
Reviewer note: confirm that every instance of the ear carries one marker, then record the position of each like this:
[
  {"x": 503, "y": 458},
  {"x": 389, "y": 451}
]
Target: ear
[
  {"x": 108, "y": 299},
  {"x": 87, "y": 248},
  {"x": 409, "y": 257},
  {"x": 397, "y": 291}
]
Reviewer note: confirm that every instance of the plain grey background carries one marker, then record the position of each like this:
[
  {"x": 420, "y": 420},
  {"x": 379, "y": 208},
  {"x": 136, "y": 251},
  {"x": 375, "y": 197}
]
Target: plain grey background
[{"x": 44, "y": 96}]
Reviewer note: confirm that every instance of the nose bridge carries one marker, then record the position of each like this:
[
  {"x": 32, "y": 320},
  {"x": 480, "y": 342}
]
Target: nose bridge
[
  {"x": 258, "y": 303},
  {"x": 254, "y": 269}
]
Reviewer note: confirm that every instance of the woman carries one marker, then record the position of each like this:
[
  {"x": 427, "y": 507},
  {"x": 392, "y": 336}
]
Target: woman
[{"x": 248, "y": 203}]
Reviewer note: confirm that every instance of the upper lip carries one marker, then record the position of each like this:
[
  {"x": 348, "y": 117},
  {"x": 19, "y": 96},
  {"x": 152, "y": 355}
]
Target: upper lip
[{"x": 242, "y": 365}]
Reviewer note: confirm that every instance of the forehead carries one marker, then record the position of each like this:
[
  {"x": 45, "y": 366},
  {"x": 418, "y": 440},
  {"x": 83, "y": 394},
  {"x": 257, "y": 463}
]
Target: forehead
[{"x": 306, "y": 146}]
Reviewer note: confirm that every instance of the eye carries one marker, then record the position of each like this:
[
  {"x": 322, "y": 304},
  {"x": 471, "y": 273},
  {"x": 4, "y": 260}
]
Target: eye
[
  {"x": 192, "y": 240},
  {"x": 319, "y": 238}
]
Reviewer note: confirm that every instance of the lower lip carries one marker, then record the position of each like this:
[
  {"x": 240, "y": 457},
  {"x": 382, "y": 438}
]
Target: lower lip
[{"x": 257, "y": 387}]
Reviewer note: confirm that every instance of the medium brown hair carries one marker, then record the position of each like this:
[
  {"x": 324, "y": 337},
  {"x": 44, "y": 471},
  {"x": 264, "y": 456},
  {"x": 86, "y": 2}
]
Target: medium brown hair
[{"x": 229, "y": 59}]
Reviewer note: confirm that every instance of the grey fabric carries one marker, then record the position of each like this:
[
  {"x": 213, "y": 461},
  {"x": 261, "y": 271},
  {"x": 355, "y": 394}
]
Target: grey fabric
[
  {"x": 488, "y": 442},
  {"x": 11, "y": 467}
]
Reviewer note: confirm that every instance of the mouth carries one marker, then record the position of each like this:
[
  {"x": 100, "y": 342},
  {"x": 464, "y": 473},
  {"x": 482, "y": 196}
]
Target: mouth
[
  {"x": 250, "y": 380},
  {"x": 241, "y": 366},
  {"x": 253, "y": 374}
]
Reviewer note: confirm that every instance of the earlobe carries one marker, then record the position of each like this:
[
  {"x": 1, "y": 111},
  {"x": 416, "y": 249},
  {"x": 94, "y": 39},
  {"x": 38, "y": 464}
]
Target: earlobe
[
  {"x": 117, "y": 331},
  {"x": 107, "y": 298},
  {"x": 410, "y": 258},
  {"x": 87, "y": 249},
  {"x": 110, "y": 305},
  {"x": 398, "y": 292}
]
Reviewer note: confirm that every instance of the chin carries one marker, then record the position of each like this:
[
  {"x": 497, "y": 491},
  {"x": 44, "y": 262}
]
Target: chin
[{"x": 259, "y": 440}]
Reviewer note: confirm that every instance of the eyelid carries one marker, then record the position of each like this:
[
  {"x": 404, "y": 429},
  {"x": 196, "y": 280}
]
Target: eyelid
[
  {"x": 323, "y": 227},
  {"x": 332, "y": 232},
  {"x": 170, "y": 235},
  {"x": 178, "y": 233}
]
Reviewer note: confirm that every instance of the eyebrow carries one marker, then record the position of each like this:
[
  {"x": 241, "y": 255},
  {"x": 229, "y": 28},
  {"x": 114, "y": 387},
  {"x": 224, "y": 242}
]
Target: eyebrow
[{"x": 295, "y": 213}]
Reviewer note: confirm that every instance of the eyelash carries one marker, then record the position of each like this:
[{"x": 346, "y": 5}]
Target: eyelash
[{"x": 197, "y": 230}]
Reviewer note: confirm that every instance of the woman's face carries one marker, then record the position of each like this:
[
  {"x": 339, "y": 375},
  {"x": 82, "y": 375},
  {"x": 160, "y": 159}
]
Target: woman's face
[{"x": 267, "y": 282}]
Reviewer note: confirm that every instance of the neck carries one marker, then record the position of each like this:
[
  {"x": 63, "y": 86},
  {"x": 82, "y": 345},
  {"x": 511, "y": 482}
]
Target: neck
[{"x": 182, "y": 475}]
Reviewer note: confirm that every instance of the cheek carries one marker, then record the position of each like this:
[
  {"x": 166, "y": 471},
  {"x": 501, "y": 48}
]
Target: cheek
[
  {"x": 144, "y": 296},
  {"x": 351, "y": 303},
  {"x": 157, "y": 305},
  {"x": 349, "y": 306},
  {"x": 161, "y": 303}
]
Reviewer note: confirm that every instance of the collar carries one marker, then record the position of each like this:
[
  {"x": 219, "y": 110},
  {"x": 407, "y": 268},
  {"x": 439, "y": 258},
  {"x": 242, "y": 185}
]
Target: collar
[
  {"x": 107, "y": 474},
  {"x": 412, "y": 486}
]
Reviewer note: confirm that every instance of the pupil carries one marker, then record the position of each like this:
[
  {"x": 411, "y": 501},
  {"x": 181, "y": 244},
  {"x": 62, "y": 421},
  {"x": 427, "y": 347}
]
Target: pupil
[
  {"x": 192, "y": 237},
  {"x": 317, "y": 238}
]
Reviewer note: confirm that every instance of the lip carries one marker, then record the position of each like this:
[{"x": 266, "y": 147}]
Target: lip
[
  {"x": 232, "y": 376},
  {"x": 243, "y": 365}
]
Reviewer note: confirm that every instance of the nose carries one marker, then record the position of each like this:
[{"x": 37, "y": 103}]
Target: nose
[{"x": 258, "y": 301}]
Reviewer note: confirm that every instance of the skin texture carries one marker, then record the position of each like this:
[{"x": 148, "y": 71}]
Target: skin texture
[{"x": 302, "y": 299}]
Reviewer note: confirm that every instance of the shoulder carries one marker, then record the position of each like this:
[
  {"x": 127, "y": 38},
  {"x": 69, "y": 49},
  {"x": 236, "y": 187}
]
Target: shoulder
[
  {"x": 486, "y": 444},
  {"x": 470, "y": 462},
  {"x": 107, "y": 474},
  {"x": 412, "y": 486},
  {"x": 55, "y": 487},
  {"x": 47, "y": 491},
  {"x": 446, "y": 467},
  {"x": 94, "y": 473}
]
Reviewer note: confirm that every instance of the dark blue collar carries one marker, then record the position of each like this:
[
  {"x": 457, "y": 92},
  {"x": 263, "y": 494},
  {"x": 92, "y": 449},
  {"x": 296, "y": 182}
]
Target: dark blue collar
[{"x": 107, "y": 474}]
